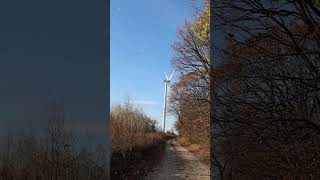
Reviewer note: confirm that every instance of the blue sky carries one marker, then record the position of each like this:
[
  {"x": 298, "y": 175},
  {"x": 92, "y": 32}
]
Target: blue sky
[
  {"x": 142, "y": 32},
  {"x": 53, "y": 51}
]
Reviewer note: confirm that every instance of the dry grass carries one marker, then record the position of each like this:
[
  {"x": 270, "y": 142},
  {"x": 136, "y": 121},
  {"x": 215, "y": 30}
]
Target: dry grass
[
  {"x": 130, "y": 128},
  {"x": 135, "y": 141},
  {"x": 200, "y": 150},
  {"x": 141, "y": 159},
  {"x": 183, "y": 141}
]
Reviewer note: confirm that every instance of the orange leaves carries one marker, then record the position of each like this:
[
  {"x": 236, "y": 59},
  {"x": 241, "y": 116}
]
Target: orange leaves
[{"x": 185, "y": 79}]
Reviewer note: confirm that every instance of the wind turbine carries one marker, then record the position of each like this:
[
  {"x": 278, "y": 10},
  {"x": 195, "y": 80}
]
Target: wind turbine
[{"x": 166, "y": 82}]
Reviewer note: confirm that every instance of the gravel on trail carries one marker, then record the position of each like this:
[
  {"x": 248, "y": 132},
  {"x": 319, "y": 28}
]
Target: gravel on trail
[{"x": 179, "y": 163}]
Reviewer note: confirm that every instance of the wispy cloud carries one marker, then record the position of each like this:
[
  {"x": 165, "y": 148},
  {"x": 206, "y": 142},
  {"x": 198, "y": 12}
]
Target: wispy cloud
[{"x": 145, "y": 102}]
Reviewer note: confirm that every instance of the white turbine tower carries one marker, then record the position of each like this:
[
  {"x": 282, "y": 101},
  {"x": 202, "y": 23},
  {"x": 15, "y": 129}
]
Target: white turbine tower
[{"x": 166, "y": 82}]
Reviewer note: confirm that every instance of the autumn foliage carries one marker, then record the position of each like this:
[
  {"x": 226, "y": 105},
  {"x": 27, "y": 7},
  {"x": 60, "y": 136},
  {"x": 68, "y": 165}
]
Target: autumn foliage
[
  {"x": 265, "y": 109},
  {"x": 130, "y": 128},
  {"x": 189, "y": 99}
]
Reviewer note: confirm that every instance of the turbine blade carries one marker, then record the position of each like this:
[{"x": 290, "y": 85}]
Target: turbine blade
[
  {"x": 171, "y": 74},
  {"x": 166, "y": 75}
]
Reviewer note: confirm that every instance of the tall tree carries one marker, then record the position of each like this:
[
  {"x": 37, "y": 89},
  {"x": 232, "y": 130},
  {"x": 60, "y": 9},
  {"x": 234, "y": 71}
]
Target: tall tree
[
  {"x": 190, "y": 96},
  {"x": 266, "y": 89}
]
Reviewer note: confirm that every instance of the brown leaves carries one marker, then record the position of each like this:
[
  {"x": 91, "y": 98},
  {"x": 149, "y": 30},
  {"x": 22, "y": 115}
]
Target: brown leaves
[{"x": 129, "y": 128}]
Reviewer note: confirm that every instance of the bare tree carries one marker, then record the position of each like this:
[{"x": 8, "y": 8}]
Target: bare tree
[{"x": 265, "y": 89}]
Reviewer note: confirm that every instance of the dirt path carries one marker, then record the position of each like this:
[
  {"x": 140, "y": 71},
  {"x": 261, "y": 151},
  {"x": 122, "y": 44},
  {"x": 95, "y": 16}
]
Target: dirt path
[{"x": 179, "y": 163}]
